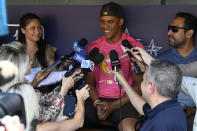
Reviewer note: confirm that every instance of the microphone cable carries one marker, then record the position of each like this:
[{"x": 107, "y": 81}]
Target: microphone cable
[
  {"x": 142, "y": 61},
  {"x": 121, "y": 129},
  {"x": 120, "y": 108}
]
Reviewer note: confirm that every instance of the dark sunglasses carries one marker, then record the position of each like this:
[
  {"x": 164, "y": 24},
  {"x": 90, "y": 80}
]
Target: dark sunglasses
[{"x": 176, "y": 28}]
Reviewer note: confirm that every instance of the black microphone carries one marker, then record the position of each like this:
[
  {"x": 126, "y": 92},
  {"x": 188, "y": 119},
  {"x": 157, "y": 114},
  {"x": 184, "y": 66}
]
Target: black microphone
[
  {"x": 125, "y": 43},
  {"x": 98, "y": 58},
  {"x": 95, "y": 56},
  {"x": 93, "y": 52},
  {"x": 115, "y": 62}
]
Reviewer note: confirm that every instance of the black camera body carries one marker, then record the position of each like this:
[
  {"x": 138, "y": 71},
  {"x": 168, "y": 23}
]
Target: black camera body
[
  {"x": 78, "y": 84},
  {"x": 12, "y": 104},
  {"x": 71, "y": 98}
]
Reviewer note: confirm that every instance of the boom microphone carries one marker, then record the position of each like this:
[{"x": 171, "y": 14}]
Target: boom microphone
[{"x": 125, "y": 43}]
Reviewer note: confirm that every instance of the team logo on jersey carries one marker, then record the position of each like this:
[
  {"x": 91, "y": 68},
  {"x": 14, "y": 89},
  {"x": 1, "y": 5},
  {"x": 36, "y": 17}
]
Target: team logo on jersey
[{"x": 106, "y": 66}]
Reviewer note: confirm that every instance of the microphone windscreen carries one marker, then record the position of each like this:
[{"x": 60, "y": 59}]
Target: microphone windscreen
[
  {"x": 83, "y": 42},
  {"x": 97, "y": 59},
  {"x": 126, "y": 43},
  {"x": 94, "y": 52},
  {"x": 113, "y": 56},
  {"x": 115, "y": 62}
]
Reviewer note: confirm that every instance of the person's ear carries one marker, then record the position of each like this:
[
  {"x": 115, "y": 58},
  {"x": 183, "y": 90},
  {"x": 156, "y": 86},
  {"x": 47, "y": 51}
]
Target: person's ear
[
  {"x": 190, "y": 33},
  {"x": 151, "y": 88},
  {"x": 121, "y": 21},
  {"x": 23, "y": 30}
]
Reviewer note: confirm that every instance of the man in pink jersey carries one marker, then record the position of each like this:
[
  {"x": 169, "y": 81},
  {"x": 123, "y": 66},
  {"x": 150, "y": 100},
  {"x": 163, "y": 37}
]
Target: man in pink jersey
[{"x": 104, "y": 91}]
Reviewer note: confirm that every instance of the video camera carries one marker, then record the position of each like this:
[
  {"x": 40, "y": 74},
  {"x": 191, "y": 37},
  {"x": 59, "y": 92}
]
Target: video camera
[{"x": 12, "y": 104}]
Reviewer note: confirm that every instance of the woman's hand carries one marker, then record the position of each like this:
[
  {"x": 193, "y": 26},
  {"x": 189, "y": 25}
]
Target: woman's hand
[
  {"x": 65, "y": 63},
  {"x": 83, "y": 93},
  {"x": 41, "y": 75},
  {"x": 141, "y": 55},
  {"x": 68, "y": 82}
]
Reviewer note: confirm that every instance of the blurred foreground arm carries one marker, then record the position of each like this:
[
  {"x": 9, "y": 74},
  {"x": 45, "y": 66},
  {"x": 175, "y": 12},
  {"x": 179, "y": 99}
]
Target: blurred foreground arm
[
  {"x": 11, "y": 123},
  {"x": 189, "y": 69}
]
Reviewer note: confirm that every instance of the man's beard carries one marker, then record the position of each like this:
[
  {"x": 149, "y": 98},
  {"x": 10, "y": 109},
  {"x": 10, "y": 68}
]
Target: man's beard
[{"x": 178, "y": 44}]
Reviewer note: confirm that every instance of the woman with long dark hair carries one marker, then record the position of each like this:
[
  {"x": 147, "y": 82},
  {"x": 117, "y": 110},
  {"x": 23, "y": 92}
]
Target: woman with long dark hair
[{"x": 30, "y": 33}]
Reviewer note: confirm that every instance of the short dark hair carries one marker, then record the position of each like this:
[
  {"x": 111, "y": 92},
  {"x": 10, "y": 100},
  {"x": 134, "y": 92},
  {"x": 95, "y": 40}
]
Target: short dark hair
[
  {"x": 112, "y": 9},
  {"x": 190, "y": 21},
  {"x": 166, "y": 76}
]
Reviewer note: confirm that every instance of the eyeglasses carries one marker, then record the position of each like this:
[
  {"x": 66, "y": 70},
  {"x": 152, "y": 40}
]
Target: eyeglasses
[{"x": 176, "y": 28}]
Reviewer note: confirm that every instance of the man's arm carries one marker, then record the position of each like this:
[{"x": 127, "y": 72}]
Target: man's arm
[
  {"x": 189, "y": 69},
  {"x": 136, "y": 100}
]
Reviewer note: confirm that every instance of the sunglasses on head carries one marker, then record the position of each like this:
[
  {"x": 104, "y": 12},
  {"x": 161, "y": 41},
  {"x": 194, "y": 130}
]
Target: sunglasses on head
[{"x": 176, "y": 28}]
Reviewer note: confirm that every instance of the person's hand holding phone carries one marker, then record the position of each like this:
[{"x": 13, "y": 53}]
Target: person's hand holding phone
[{"x": 41, "y": 75}]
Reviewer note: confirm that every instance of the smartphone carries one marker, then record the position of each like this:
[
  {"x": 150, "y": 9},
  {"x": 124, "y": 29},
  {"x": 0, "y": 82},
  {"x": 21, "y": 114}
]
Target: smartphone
[
  {"x": 70, "y": 104},
  {"x": 53, "y": 66}
]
